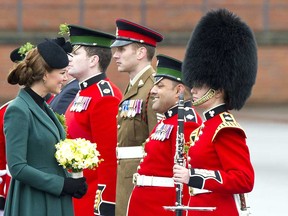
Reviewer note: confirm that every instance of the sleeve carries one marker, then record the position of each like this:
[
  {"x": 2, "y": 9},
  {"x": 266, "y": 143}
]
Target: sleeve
[
  {"x": 236, "y": 174},
  {"x": 16, "y": 121}
]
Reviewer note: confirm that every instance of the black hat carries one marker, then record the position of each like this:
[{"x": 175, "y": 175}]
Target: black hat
[
  {"x": 89, "y": 37},
  {"x": 53, "y": 54},
  {"x": 168, "y": 67},
  {"x": 128, "y": 32},
  {"x": 19, "y": 53},
  {"x": 222, "y": 53},
  {"x": 15, "y": 56},
  {"x": 66, "y": 45}
]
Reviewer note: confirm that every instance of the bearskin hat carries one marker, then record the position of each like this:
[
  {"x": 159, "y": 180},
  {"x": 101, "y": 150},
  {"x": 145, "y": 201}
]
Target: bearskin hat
[{"x": 222, "y": 53}]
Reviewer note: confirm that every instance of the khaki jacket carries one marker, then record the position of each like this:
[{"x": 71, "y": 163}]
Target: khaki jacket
[{"x": 133, "y": 131}]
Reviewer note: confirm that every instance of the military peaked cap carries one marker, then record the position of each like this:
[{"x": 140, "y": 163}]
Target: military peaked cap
[
  {"x": 128, "y": 32},
  {"x": 89, "y": 37},
  {"x": 168, "y": 67}
]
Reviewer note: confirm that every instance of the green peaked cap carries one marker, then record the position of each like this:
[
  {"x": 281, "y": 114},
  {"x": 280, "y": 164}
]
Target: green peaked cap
[
  {"x": 88, "y": 37},
  {"x": 168, "y": 67}
]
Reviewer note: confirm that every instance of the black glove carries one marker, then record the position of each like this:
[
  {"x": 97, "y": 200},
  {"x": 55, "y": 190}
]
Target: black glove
[
  {"x": 74, "y": 187},
  {"x": 80, "y": 193},
  {"x": 2, "y": 203}
]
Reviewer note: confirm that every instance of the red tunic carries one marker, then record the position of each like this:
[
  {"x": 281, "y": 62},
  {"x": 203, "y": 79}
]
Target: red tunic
[
  {"x": 159, "y": 161},
  {"x": 220, "y": 162},
  {"x": 4, "y": 186},
  {"x": 93, "y": 117}
]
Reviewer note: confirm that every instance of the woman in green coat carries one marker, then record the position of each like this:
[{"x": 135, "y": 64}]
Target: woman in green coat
[{"x": 39, "y": 186}]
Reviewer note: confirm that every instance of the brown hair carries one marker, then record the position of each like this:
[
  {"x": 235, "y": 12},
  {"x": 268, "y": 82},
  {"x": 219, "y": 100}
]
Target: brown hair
[
  {"x": 31, "y": 69},
  {"x": 150, "y": 50},
  {"x": 104, "y": 54}
]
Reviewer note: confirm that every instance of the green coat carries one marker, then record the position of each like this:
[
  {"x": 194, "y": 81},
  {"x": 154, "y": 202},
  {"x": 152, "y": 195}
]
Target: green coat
[{"x": 37, "y": 179}]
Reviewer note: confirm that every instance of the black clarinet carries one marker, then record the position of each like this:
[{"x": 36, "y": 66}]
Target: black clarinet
[
  {"x": 180, "y": 160},
  {"x": 179, "y": 154}
]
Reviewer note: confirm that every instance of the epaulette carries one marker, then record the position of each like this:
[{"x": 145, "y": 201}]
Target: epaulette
[
  {"x": 189, "y": 114},
  {"x": 105, "y": 88},
  {"x": 228, "y": 121}
]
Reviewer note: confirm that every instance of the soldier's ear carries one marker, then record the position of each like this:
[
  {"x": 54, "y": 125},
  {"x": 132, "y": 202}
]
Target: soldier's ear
[
  {"x": 141, "y": 52},
  {"x": 94, "y": 59},
  {"x": 180, "y": 88}
]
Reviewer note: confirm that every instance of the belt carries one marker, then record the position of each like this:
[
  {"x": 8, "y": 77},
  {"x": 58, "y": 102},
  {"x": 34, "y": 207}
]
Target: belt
[
  {"x": 196, "y": 191},
  {"x": 142, "y": 180},
  {"x": 129, "y": 152},
  {"x": 3, "y": 172}
]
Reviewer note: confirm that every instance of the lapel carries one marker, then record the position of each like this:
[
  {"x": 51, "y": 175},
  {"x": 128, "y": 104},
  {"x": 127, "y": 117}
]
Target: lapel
[
  {"x": 140, "y": 82},
  {"x": 42, "y": 116},
  {"x": 59, "y": 126}
]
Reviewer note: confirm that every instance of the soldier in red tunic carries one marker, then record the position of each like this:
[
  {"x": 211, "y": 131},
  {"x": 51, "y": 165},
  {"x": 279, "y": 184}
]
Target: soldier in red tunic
[
  {"x": 154, "y": 186},
  {"x": 220, "y": 66},
  {"x": 92, "y": 115},
  {"x": 4, "y": 177}
]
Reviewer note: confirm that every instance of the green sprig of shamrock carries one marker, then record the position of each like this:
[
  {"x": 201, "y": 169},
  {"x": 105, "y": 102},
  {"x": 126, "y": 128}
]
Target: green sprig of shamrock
[{"x": 25, "y": 48}]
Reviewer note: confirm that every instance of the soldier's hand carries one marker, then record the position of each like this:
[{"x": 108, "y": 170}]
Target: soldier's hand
[{"x": 180, "y": 174}]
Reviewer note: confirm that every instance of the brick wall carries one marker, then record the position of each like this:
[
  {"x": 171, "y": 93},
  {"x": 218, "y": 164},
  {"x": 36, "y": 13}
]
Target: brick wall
[
  {"x": 271, "y": 84},
  {"x": 173, "y": 18},
  {"x": 163, "y": 15}
]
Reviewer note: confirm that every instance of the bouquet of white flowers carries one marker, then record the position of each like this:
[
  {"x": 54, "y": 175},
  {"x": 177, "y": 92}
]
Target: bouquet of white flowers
[{"x": 76, "y": 155}]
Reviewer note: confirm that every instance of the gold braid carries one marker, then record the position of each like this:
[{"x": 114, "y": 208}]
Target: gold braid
[{"x": 208, "y": 95}]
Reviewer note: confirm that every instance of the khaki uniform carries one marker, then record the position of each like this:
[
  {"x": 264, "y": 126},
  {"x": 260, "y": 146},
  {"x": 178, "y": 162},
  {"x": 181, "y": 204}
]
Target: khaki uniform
[{"x": 133, "y": 131}]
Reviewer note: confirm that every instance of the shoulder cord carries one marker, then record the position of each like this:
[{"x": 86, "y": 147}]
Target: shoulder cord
[{"x": 145, "y": 115}]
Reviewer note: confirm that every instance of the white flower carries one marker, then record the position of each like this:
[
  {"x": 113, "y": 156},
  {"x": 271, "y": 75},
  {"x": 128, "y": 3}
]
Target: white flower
[{"x": 77, "y": 154}]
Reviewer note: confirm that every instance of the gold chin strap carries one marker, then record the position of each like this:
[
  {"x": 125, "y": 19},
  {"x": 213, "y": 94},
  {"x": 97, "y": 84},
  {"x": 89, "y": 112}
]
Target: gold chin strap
[
  {"x": 75, "y": 47},
  {"x": 208, "y": 95}
]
